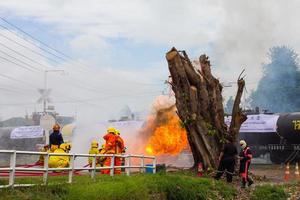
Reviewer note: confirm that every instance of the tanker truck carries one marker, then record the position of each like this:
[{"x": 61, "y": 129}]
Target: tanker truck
[{"x": 275, "y": 135}]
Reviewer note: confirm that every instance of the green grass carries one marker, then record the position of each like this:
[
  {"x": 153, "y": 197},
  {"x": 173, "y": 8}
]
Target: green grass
[
  {"x": 139, "y": 187},
  {"x": 269, "y": 192}
]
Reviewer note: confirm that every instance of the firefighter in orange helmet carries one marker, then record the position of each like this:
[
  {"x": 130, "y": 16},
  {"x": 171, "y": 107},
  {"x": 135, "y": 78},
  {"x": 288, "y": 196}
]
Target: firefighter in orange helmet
[
  {"x": 55, "y": 138},
  {"x": 110, "y": 147}
]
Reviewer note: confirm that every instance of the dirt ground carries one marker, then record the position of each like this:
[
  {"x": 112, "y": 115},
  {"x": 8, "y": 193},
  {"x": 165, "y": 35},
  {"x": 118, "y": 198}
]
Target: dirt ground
[{"x": 272, "y": 174}]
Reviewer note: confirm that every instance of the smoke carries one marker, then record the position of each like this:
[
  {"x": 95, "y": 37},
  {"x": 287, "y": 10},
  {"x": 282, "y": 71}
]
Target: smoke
[
  {"x": 278, "y": 89},
  {"x": 247, "y": 30}
]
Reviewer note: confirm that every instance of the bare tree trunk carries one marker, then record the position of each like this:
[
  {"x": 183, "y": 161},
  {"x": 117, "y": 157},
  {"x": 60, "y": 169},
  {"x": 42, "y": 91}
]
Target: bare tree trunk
[{"x": 199, "y": 105}]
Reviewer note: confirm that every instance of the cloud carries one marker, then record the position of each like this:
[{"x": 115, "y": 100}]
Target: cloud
[
  {"x": 94, "y": 93},
  {"x": 237, "y": 35}
]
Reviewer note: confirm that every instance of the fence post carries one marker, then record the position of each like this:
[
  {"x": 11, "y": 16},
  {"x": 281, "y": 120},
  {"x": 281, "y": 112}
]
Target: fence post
[
  {"x": 72, "y": 168},
  {"x": 45, "y": 175},
  {"x": 128, "y": 167},
  {"x": 154, "y": 165},
  {"x": 112, "y": 165},
  {"x": 12, "y": 171},
  {"x": 142, "y": 170},
  {"x": 93, "y": 171}
]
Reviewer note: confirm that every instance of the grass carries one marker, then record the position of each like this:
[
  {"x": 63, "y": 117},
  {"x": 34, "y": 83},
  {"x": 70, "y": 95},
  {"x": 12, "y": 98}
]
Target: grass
[
  {"x": 139, "y": 187},
  {"x": 269, "y": 192}
]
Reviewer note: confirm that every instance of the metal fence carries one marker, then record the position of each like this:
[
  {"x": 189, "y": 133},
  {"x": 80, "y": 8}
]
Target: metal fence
[{"x": 13, "y": 168}]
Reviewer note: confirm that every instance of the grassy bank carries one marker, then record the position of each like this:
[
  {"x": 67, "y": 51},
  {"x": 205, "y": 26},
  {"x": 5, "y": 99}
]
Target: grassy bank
[
  {"x": 140, "y": 187},
  {"x": 269, "y": 192},
  {"x": 146, "y": 187}
]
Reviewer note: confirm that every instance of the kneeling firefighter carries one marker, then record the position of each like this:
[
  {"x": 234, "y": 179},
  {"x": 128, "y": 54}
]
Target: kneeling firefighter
[{"x": 60, "y": 161}]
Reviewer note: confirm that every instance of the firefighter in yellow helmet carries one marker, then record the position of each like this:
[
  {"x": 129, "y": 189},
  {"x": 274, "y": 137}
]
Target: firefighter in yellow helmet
[
  {"x": 60, "y": 161},
  {"x": 110, "y": 147},
  {"x": 102, "y": 151},
  {"x": 93, "y": 150}
]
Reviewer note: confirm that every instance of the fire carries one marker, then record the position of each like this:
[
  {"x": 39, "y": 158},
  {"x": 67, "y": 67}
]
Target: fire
[{"x": 168, "y": 138}]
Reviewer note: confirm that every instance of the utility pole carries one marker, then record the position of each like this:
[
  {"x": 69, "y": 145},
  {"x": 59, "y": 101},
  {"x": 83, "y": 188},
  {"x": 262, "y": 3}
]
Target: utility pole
[{"x": 45, "y": 92}]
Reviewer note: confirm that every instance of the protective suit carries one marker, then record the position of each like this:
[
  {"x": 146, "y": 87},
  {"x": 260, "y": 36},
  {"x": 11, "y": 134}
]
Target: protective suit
[
  {"x": 120, "y": 148},
  {"x": 102, "y": 151},
  {"x": 245, "y": 160},
  {"x": 227, "y": 161},
  {"x": 94, "y": 150},
  {"x": 45, "y": 148},
  {"x": 110, "y": 148},
  {"x": 60, "y": 161}
]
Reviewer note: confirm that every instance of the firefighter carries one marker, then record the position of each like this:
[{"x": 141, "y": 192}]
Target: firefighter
[
  {"x": 55, "y": 138},
  {"x": 110, "y": 147},
  {"x": 120, "y": 148},
  {"x": 227, "y": 161},
  {"x": 102, "y": 159},
  {"x": 60, "y": 161},
  {"x": 245, "y": 160},
  {"x": 93, "y": 150}
]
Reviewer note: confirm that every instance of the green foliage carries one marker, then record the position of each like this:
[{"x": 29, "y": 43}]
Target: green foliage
[
  {"x": 269, "y": 192},
  {"x": 211, "y": 130},
  {"x": 140, "y": 187},
  {"x": 278, "y": 89}
]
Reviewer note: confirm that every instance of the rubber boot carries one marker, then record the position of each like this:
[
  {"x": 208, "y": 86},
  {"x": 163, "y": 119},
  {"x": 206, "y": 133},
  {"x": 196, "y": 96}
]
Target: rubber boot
[
  {"x": 250, "y": 182},
  {"x": 243, "y": 183}
]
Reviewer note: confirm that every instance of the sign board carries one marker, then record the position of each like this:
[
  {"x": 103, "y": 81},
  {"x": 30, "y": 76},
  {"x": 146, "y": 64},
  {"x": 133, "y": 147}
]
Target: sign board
[
  {"x": 47, "y": 122},
  {"x": 261, "y": 123},
  {"x": 27, "y": 132}
]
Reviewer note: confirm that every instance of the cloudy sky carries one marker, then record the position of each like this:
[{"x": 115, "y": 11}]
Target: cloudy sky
[{"x": 115, "y": 49}]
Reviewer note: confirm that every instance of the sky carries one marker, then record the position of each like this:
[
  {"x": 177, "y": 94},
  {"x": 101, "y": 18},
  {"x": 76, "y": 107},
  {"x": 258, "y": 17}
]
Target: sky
[{"x": 116, "y": 49}]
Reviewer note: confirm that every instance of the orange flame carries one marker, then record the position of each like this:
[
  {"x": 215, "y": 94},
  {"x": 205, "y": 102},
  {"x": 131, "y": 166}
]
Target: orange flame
[{"x": 168, "y": 138}]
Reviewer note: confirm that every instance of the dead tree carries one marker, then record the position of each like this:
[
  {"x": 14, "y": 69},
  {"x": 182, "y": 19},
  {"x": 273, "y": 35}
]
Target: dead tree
[{"x": 199, "y": 105}]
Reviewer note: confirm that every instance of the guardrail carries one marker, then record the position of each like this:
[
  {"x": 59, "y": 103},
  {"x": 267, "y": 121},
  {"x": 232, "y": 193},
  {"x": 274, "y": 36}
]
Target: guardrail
[{"x": 12, "y": 169}]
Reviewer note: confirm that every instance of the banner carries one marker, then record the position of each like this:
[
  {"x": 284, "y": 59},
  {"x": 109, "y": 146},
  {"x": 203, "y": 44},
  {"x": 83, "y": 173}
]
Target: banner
[
  {"x": 27, "y": 132},
  {"x": 257, "y": 123}
]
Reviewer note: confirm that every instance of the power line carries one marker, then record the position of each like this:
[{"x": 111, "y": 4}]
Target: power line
[
  {"x": 20, "y": 54},
  {"x": 77, "y": 81},
  {"x": 48, "y": 46},
  {"x": 29, "y": 49},
  {"x": 34, "y": 38},
  {"x": 26, "y": 64},
  {"x": 45, "y": 50},
  {"x": 84, "y": 100},
  {"x": 17, "y": 80},
  {"x": 41, "y": 42},
  {"x": 15, "y": 63}
]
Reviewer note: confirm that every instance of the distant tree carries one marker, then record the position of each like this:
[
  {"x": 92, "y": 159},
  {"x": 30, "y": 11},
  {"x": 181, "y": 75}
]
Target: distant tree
[
  {"x": 229, "y": 105},
  {"x": 279, "y": 88}
]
